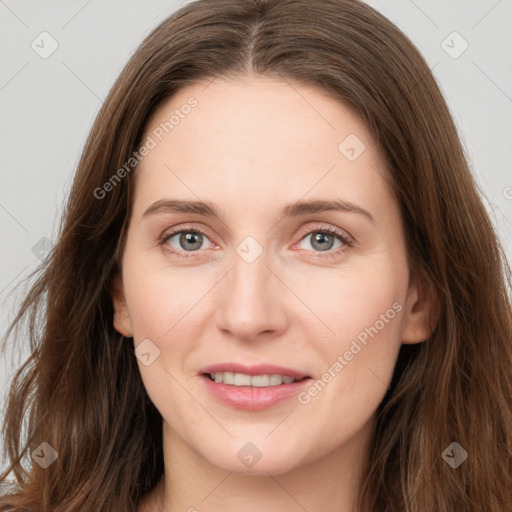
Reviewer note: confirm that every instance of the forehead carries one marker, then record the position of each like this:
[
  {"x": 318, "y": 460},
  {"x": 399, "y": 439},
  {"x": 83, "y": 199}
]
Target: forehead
[{"x": 258, "y": 137}]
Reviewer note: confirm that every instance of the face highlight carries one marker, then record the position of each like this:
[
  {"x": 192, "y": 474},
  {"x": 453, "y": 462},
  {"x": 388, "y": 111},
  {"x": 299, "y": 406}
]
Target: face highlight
[{"x": 265, "y": 237}]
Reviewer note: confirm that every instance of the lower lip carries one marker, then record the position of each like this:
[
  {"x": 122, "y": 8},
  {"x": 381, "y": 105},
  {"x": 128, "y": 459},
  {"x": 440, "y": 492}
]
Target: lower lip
[{"x": 253, "y": 398}]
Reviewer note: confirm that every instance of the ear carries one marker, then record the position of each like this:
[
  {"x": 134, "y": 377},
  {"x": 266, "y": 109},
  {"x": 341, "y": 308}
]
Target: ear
[
  {"x": 421, "y": 312},
  {"x": 122, "y": 323}
]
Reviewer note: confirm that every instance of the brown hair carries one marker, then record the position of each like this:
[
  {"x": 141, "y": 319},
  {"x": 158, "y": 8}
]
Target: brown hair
[{"x": 81, "y": 390}]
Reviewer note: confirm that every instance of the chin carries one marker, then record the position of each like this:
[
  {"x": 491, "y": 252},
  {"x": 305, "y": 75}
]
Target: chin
[{"x": 247, "y": 459}]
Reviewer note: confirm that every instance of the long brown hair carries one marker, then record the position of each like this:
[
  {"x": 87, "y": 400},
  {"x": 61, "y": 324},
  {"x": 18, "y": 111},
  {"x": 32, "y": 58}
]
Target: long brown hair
[{"x": 81, "y": 392}]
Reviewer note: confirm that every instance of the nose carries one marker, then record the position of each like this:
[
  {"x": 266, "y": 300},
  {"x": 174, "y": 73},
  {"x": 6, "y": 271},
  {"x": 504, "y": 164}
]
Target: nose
[{"x": 252, "y": 302}]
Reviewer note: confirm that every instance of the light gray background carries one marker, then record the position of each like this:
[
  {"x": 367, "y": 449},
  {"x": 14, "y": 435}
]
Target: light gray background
[{"x": 48, "y": 105}]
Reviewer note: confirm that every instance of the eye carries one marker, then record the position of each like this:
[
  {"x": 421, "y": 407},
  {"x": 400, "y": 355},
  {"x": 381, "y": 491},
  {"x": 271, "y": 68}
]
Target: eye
[
  {"x": 190, "y": 240},
  {"x": 322, "y": 239},
  {"x": 186, "y": 240}
]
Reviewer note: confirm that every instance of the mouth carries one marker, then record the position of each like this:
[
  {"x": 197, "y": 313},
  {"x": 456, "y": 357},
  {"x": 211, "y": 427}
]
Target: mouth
[{"x": 252, "y": 388}]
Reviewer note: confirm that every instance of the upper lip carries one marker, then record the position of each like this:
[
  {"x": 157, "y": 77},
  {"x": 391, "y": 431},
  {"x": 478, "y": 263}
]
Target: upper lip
[{"x": 260, "y": 369}]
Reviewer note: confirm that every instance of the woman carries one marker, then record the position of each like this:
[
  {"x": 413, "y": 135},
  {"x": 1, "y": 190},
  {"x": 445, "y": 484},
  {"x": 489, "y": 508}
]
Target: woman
[{"x": 256, "y": 368}]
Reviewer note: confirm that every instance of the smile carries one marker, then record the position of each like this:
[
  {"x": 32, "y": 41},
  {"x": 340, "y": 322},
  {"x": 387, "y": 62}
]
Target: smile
[{"x": 259, "y": 381}]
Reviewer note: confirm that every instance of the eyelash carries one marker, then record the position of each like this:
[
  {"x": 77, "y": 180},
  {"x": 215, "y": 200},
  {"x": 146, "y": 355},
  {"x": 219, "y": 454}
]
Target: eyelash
[{"x": 320, "y": 229}]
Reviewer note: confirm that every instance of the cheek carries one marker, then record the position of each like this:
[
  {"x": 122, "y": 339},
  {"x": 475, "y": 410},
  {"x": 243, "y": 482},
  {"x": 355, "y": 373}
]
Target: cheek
[
  {"x": 164, "y": 308},
  {"x": 363, "y": 314},
  {"x": 348, "y": 301},
  {"x": 163, "y": 302},
  {"x": 357, "y": 370}
]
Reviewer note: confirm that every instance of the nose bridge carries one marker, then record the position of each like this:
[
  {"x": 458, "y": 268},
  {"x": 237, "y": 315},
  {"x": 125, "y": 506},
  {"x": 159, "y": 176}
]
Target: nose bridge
[
  {"x": 250, "y": 274},
  {"x": 249, "y": 304}
]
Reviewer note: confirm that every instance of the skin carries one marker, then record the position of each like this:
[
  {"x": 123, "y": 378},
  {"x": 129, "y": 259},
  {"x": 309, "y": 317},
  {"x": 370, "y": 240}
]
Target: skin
[{"x": 251, "y": 146}]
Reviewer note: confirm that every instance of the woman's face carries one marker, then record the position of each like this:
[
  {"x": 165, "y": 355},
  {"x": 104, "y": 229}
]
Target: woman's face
[{"x": 228, "y": 270}]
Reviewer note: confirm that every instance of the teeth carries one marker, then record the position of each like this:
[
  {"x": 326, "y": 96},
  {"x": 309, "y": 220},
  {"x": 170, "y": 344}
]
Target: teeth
[
  {"x": 241, "y": 380},
  {"x": 258, "y": 381},
  {"x": 228, "y": 378},
  {"x": 275, "y": 380}
]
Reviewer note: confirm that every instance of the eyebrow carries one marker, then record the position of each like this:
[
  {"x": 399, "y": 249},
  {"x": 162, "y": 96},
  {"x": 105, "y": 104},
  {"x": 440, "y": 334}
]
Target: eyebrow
[{"x": 295, "y": 209}]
